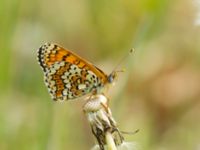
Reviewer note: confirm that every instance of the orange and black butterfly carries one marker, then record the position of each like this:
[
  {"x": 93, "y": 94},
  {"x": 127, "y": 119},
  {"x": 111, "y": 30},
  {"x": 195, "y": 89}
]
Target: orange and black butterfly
[{"x": 68, "y": 76}]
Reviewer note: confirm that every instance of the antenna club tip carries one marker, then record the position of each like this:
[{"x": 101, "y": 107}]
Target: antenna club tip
[
  {"x": 132, "y": 50},
  {"x": 123, "y": 70}
]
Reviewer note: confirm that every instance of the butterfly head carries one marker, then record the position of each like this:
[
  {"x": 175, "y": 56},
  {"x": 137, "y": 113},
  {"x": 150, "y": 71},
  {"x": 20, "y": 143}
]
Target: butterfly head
[{"x": 112, "y": 77}]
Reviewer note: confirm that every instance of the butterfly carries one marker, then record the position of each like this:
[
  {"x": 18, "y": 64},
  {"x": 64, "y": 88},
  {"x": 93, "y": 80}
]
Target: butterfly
[{"x": 68, "y": 76}]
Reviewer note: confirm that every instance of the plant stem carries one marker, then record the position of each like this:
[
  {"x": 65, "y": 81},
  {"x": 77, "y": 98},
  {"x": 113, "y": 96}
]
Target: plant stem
[{"x": 110, "y": 142}]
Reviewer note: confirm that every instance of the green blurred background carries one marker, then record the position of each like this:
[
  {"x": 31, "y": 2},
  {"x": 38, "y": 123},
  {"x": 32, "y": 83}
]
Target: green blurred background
[{"x": 159, "y": 93}]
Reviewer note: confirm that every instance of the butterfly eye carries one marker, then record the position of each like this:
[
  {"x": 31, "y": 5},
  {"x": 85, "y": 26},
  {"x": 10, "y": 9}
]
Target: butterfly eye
[{"x": 111, "y": 77}]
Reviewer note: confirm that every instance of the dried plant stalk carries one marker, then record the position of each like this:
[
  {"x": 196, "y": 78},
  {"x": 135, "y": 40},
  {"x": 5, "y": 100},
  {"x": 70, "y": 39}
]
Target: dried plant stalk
[
  {"x": 103, "y": 125},
  {"x": 110, "y": 142}
]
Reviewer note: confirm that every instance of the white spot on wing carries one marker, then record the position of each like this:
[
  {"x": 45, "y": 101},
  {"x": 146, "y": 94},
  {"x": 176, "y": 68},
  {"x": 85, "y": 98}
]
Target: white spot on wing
[
  {"x": 62, "y": 63},
  {"x": 66, "y": 73},
  {"x": 81, "y": 86},
  {"x": 65, "y": 92},
  {"x": 56, "y": 66},
  {"x": 68, "y": 85},
  {"x": 66, "y": 81},
  {"x": 52, "y": 82}
]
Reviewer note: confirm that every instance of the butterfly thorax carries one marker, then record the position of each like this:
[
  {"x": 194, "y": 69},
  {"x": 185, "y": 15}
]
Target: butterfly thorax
[{"x": 106, "y": 83}]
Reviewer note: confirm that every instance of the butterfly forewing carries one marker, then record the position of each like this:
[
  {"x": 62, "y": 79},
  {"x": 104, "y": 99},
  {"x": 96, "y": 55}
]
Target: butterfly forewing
[{"x": 68, "y": 76}]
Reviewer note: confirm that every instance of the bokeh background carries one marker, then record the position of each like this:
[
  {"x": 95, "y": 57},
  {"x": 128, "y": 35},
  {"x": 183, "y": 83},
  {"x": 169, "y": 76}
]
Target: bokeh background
[{"x": 159, "y": 93}]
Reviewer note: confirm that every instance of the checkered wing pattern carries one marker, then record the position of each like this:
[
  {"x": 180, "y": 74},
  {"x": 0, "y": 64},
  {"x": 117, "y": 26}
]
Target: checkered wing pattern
[{"x": 67, "y": 75}]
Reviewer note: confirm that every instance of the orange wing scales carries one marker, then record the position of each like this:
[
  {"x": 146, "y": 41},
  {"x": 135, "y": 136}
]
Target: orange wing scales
[{"x": 68, "y": 76}]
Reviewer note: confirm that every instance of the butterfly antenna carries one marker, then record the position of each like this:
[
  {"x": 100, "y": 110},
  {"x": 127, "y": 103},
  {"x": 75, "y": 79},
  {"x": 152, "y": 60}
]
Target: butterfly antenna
[
  {"x": 130, "y": 133},
  {"x": 122, "y": 60}
]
